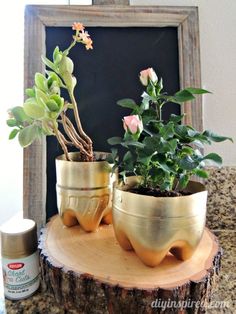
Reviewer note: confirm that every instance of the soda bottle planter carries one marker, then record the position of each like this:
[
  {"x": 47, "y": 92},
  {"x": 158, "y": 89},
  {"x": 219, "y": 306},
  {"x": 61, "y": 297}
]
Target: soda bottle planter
[
  {"x": 154, "y": 226},
  {"x": 84, "y": 191}
]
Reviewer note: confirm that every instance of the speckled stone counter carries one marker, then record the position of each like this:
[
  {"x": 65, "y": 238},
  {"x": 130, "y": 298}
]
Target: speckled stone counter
[
  {"x": 221, "y": 203},
  {"x": 221, "y": 220}
]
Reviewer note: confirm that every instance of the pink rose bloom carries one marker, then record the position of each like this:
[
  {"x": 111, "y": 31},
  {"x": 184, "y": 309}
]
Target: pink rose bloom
[
  {"x": 133, "y": 124},
  {"x": 148, "y": 74}
]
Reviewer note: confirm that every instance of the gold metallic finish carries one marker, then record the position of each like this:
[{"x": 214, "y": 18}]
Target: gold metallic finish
[
  {"x": 84, "y": 191},
  {"x": 19, "y": 239},
  {"x": 154, "y": 226}
]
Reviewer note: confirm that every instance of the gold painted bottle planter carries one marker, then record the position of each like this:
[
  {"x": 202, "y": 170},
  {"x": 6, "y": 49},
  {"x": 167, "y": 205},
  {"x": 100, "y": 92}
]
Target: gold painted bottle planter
[
  {"x": 154, "y": 226},
  {"x": 84, "y": 191}
]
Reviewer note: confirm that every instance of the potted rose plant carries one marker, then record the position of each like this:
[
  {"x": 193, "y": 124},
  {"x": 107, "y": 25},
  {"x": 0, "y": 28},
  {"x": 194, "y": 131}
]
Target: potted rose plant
[
  {"x": 84, "y": 180},
  {"x": 156, "y": 207}
]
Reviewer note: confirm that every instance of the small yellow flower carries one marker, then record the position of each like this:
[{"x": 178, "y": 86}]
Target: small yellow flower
[{"x": 77, "y": 26}]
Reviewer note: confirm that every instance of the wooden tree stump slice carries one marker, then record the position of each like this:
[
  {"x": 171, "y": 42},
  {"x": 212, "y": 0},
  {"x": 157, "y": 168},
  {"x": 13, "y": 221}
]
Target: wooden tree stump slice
[{"x": 90, "y": 272}]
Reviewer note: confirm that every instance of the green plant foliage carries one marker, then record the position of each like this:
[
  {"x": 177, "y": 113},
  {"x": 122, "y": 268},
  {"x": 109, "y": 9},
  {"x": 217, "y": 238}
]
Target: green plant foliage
[
  {"x": 28, "y": 135},
  {"x": 43, "y": 106},
  {"x": 166, "y": 153},
  {"x": 13, "y": 134}
]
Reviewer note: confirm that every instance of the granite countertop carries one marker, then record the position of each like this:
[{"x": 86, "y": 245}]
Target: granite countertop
[{"x": 220, "y": 219}]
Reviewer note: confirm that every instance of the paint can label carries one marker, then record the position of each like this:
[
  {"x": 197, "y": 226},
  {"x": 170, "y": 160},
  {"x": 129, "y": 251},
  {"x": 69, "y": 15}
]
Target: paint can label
[{"x": 20, "y": 276}]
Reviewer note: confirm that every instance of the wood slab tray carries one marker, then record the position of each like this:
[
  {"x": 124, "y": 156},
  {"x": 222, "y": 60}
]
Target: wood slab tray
[{"x": 91, "y": 273}]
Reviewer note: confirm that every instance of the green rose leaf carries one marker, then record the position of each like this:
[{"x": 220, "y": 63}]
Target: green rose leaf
[
  {"x": 172, "y": 144},
  {"x": 127, "y": 157},
  {"x": 166, "y": 168},
  {"x": 112, "y": 158},
  {"x": 201, "y": 173},
  {"x": 176, "y": 118},
  {"x": 128, "y": 160},
  {"x": 127, "y": 103},
  {"x": 144, "y": 157},
  {"x": 28, "y": 135},
  {"x": 114, "y": 140},
  {"x": 114, "y": 152},
  {"x": 13, "y": 134},
  {"x": 198, "y": 143},
  {"x": 215, "y": 158},
  {"x": 181, "y": 131},
  {"x": 182, "y": 96},
  {"x": 159, "y": 86},
  {"x": 133, "y": 143},
  {"x": 166, "y": 146},
  {"x": 215, "y": 137},
  {"x": 186, "y": 150},
  {"x": 165, "y": 186},
  {"x": 187, "y": 163},
  {"x": 183, "y": 181},
  {"x": 167, "y": 130},
  {"x": 197, "y": 91},
  {"x": 148, "y": 116}
]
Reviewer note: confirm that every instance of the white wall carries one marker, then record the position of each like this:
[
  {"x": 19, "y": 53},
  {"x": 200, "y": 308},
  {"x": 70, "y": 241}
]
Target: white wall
[
  {"x": 218, "y": 63},
  {"x": 11, "y": 82},
  {"x": 11, "y": 86},
  {"x": 217, "y": 24}
]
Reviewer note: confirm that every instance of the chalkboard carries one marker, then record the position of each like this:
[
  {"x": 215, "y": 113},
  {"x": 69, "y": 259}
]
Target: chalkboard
[
  {"x": 108, "y": 73},
  {"x": 127, "y": 39}
]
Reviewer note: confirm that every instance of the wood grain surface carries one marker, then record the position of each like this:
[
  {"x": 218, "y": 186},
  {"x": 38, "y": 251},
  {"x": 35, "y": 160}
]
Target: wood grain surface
[{"x": 73, "y": 258}]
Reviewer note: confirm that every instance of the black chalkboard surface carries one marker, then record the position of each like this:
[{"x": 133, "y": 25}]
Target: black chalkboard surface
[{"x": 108, "y": 73}]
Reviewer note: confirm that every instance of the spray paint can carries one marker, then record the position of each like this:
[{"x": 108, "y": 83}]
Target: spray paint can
[{"x": 20, "y": 261}]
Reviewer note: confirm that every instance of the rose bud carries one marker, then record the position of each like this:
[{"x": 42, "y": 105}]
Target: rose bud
[
  {"x": 133, "y": 124},
  {"x": 146, "y": 75}
]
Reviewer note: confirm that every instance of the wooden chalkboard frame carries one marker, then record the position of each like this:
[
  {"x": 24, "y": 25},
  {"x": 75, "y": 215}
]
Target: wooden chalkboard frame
[{"x": 38, "y": 17}]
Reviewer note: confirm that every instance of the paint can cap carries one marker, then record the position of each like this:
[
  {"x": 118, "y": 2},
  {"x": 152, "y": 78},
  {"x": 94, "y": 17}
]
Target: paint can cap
[{"x": 19, "y": 238}]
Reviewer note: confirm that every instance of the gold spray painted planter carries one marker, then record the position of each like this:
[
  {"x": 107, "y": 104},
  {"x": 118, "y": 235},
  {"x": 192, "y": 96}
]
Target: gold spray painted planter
[
  {"x": 84, "y": 191},
  {"x": 154, "y": 226}
]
